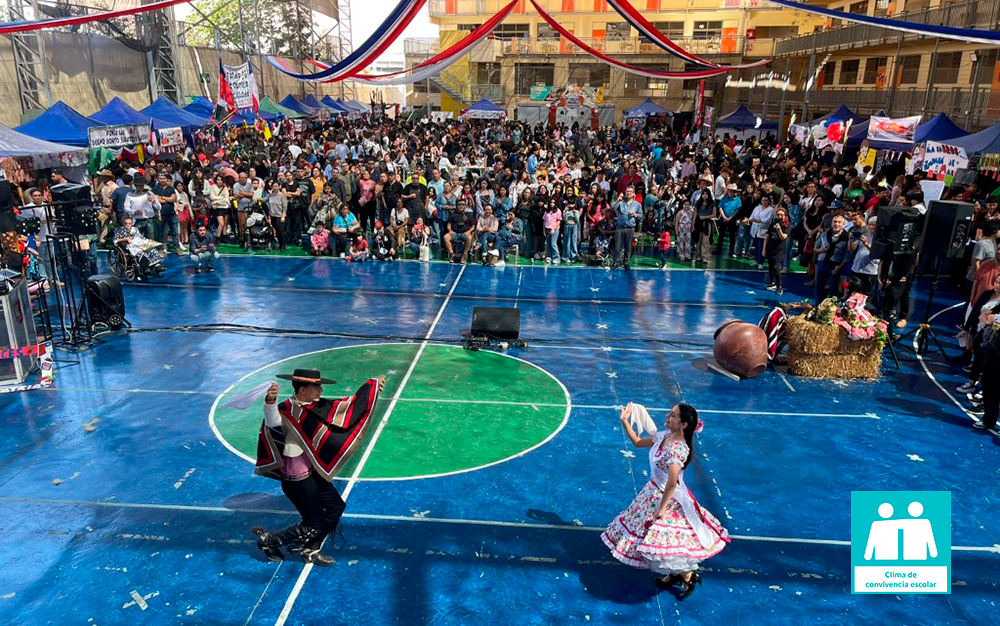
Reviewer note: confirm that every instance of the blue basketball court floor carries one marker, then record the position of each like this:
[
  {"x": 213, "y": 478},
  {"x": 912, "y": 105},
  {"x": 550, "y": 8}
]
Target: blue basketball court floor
[{"x": 480, "y": 497}]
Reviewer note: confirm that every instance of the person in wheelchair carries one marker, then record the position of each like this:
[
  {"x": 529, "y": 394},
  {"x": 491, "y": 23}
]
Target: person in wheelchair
[{"x": 134, "y": 256}]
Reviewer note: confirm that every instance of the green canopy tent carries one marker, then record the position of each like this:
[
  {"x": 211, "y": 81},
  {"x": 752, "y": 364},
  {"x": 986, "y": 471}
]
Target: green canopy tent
[{"x": 269, "y": 105}]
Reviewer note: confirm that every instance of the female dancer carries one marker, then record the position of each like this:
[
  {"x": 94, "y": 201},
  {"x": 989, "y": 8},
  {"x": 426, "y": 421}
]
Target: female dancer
[{"x": 664, "y": 529}]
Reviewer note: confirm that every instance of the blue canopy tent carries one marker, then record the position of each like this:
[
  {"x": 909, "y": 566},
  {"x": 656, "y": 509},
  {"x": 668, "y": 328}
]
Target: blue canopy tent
[
  {"x": 319, "y": 105},
  {"x": 60, "y": 124},
  {"x": 118, "y": 112},
  {"x": 364, "y": 108},
  {"x": 350, "y": 107},
  {"x": 842, "y": 113},
  {"x": 203, "y": 108},
  {"x": 169, "y": 112},
  {"x": 983, "y": 142},
  {"x": 744, "y": 118},
  {"x": 330, "y": 102},
  {"x": 939, "y": 128},
  {"x": 484, "y": 110},
  {"x": 291, "y": 103},
  {"x": 646, "y": 109}
]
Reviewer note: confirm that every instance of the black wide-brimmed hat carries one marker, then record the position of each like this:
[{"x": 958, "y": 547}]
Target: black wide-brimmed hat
[{"x": 312, "y": 377}]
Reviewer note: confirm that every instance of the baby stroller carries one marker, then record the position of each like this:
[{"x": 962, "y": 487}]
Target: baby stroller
[{"x": 260, "y": 232}]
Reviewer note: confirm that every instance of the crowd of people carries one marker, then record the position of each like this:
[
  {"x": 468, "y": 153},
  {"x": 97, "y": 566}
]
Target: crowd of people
[{"x": 384, "y": 188}]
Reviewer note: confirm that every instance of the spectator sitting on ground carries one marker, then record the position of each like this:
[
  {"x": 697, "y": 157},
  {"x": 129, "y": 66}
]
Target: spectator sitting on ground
[
  {"x": 202, "y": 249},
  {"x": 383, "y": 244},
  {"x": 320, "y": 240},
  {"x": 358, "y": 251}
]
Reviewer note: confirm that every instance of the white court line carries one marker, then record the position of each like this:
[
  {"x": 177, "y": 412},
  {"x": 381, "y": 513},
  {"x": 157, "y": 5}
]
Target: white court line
[
  {"x": 934, "y": 379},
  {"x": 304, "y": 574},
  {"x": 601, "y": 348},
  {"x": 786, "y": 381},
  {"x": 433, "y": 520},
  {"x": 396, "y": 398}
]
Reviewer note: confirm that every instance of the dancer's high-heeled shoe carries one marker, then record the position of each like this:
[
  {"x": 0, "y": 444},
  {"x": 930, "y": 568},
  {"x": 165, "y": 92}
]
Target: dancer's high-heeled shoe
[
  {"x": 687, "y": 586},
  {"x": 669, "y": 581}
]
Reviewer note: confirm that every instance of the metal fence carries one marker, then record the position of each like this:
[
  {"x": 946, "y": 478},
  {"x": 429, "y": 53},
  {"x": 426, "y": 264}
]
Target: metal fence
[
  {"x": 972, "y": 14},
  {"x": 486, "y": 8},
  {"x": 633, "y": 45},
  {"x": 959, "y": 104}
]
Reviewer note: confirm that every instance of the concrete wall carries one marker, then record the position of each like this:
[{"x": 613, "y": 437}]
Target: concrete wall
[{"x": 87, "y": 71}]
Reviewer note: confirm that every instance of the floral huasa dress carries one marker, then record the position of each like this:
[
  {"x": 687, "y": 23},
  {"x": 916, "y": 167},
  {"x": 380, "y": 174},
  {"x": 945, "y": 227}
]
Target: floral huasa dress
[{"x": 687, "y": 536}]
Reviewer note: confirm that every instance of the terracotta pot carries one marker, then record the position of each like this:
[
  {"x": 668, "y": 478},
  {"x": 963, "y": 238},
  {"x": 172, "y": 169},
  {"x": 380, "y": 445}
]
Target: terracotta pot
[{"x": 741, "y": 348}]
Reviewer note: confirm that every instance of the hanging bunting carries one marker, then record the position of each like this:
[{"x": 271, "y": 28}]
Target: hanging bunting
[
  {"x": 646, "y": 28},
  {"x": 7, "y": 28},
  {"x": 383, "y": 37},
  {"x": 438, "y": 62},
  {"x": 967, "y": 35},
  {"x": 715, "y": 71}
]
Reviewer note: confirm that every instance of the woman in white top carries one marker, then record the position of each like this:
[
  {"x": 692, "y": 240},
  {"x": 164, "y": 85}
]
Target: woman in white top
[{"x": 219, "y": 199}]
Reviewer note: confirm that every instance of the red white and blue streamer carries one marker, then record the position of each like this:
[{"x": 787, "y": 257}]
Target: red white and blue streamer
[
  {"x": 383, "y": 37},
  {"x": 7, "y": 28},
  {"x": 968, "y": 35},
  {"x": 641, "y": 24},
  {"x": 641, "y": 71},
  {"x": 437, "y": 63}
]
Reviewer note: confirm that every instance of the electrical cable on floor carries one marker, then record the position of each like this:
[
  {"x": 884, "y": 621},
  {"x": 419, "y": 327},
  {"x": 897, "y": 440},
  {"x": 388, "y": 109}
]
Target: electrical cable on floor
[{"x": 247, "y": 329}]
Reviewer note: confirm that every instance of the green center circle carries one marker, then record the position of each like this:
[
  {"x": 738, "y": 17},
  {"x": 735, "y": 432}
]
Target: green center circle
[{"x": 459, "y": 410}]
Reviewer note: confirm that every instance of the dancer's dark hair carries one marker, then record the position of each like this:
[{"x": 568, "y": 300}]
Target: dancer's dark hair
[{"x": 689, "y": 418}]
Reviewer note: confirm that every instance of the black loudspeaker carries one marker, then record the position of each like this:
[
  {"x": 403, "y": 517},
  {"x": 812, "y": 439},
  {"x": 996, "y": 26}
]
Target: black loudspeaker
[
  {"x": 946, "y": 229},
  {"x": 106, "y": 301},
  {"x": 896, "y": 231},
  {"x": 75, "y": 208},
  {"x": 496, "y": 323},
  {"x": 6, "y": 197}
]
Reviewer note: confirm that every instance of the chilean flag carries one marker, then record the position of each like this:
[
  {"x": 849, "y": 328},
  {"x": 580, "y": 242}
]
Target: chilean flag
[{"x": 224, "y": 103}]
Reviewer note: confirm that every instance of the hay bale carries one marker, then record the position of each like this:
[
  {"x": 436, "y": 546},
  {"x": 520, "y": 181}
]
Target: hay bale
[
  {"x": 807, "y": 337},
  {"x": 847, "y": 366}
]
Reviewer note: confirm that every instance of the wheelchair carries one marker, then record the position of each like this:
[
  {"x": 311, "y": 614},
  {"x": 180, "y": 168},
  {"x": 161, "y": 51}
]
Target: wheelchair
[{"x": 125, "y": 265}]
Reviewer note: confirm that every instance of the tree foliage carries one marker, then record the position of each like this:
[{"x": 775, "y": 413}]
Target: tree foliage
[{"x": 285, "y": 26}]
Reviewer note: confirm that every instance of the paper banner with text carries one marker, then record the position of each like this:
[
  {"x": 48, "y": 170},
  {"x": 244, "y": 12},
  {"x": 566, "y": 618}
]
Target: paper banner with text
[
  {"x": 118, "y": 136},
  {"x": 941, "y": 161},
  {"x": 243, "y": 86},
  {"x": 900, "y": 129},
  {"x": 171, "y": 138}
]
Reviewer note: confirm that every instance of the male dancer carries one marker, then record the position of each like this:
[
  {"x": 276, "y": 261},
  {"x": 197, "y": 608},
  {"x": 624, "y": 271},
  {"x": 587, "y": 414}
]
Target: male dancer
[{"x": 303, "y": 442}]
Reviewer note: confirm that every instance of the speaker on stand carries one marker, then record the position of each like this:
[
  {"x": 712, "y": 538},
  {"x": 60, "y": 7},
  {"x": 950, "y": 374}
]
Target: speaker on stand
[{"x": 947, "y": 226}]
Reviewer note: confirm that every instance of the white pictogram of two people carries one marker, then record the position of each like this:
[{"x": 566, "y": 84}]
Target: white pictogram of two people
[{"x": 883, "y": 538}]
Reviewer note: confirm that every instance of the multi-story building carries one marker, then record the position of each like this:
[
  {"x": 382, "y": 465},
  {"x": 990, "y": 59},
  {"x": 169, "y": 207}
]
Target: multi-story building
[
  {"x": 871, "y": 69},
  {"x": 527, "y": 52}
]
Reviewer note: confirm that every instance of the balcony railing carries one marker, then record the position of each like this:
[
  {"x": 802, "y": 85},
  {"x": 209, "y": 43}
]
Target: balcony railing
[
  {"x": 636, "y": 46},
  {"x": 958, "y": 103},
  {"x": 420, "y": 46},
  {"x": 973, "y": 14},
  {"x": 486, "y": 8}
]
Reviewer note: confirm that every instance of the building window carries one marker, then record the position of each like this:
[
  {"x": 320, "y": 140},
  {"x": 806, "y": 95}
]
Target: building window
[
  {"x": 673, "y": 30},
  {"x": 849, "y": 72},
  {"x": 527, "y": 75},
  {"x": 488, "y": 73},
  {"x": 512, "y": 31},
  {"x": 547, "y": 32},
  {"x": 707, "y": 30},
  {"x": 873, "y": 67},
  {"x": 593, "y": 75},
  {"x": 948, "y": 64},
  {"x": 909, "y": 67},
  {"x": 912, "y": 6},
  {"x": 634, "y": 82},
  {"x": 600, "y": 6},
  {"x": 617, "y": 30},
  {"x": 652, "y": 5},
  {"x": 567, "y": 6},
  {"x": 858, "y": 8},
  {"x": 828, "y": 72},
  {"x": 468, "y": 27}
]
